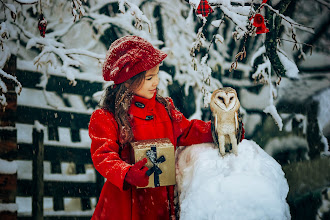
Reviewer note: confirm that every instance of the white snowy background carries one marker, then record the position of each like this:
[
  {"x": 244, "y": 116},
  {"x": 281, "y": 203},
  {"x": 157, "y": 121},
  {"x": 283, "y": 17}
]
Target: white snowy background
[{"x": 75, "y": 47}]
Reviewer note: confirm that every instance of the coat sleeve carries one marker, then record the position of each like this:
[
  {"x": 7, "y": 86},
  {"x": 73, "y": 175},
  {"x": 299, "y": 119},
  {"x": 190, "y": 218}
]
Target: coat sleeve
[
  {"x": 103, "y": 131},
  {"x": 188, "y": 132}
]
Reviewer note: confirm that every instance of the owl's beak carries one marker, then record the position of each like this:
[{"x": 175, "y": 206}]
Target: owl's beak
[{"x": 226, "y": 101}]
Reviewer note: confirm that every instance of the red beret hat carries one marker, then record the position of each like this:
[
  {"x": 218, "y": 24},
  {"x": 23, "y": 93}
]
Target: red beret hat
[{"x": 129, "y": 56}]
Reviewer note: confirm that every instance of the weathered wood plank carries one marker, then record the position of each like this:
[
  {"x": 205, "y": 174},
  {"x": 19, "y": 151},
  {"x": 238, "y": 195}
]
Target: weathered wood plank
[
  {"x": 7, "y": 118},
  {"x": 27, "y": 115},
  {"x": 65, "y": 189},
  {"x": 8, "y": 141},
  {"x": 8, "y": 184},
  {"x": 59, "y": 83},
  {"x": 56, "y": 153}
]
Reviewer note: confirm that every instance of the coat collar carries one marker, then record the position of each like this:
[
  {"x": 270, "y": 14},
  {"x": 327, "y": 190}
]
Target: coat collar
[{"x": 142, "y": 107}]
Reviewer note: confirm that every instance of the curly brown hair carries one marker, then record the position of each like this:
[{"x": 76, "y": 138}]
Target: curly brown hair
[{"x": 117, "y": 100}]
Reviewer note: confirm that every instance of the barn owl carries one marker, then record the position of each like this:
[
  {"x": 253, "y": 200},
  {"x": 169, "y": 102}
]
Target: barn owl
[{"x": 226, "y": 119}]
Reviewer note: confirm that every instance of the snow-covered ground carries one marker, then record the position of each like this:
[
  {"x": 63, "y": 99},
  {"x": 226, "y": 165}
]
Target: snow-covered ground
[{"x": 248, "y": 186}]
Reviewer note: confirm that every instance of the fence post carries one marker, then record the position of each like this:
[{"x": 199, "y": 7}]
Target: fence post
[
  {"x": 313, "y": 134},
  {"x": 38, "y": 174}
]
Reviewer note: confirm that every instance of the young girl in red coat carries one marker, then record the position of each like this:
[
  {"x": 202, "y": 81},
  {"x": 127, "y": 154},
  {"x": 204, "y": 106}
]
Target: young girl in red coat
[{"x": 131, "y": 111}]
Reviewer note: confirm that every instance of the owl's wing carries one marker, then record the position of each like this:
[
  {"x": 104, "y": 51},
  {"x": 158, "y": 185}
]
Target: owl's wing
[
  {"x": 214, "y": 129},
  {"x": 239, "y": 128}
]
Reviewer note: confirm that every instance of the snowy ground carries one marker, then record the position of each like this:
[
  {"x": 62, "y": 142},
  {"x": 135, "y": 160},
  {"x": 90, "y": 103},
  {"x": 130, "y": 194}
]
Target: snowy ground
[{"x": 249, "y": 186}]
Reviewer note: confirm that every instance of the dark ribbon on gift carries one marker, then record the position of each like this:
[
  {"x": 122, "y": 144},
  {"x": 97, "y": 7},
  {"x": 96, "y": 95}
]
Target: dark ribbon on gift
[{"x": 152, "y": 155}]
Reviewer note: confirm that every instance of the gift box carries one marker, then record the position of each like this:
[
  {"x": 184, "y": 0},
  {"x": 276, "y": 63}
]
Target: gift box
[{"x": 161, "y": 160}]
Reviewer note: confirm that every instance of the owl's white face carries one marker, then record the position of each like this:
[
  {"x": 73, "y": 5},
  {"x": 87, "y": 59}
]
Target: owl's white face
[{"x": 224, "y": 100}]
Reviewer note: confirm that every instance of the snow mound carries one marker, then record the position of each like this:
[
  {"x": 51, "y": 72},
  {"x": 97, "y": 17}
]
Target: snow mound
[{"x": 248, "y": 186}]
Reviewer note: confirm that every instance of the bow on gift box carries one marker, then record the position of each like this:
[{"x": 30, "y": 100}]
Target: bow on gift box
[{"x": 152, "y": 155}]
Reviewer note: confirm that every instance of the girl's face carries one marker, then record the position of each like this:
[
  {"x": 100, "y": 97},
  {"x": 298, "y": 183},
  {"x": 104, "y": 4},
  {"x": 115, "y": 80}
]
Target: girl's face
[{"x": 149, "y": 85}]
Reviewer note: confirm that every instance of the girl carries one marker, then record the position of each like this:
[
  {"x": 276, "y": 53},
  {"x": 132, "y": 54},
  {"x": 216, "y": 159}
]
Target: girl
[{"x": 132, "y": 110}]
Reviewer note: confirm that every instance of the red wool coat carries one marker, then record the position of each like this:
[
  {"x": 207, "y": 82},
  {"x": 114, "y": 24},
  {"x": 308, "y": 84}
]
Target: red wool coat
[{"x": 115, "y": 201}]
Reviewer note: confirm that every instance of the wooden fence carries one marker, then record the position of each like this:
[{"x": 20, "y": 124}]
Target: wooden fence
[{"x": 55, "y": 152}]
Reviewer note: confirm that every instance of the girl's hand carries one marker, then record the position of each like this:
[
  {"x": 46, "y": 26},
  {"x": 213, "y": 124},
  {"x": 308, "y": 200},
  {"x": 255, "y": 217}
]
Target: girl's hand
[{"x": 136, "y": 175}]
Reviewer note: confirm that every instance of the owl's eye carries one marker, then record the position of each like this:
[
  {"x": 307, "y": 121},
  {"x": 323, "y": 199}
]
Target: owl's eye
[
  {"x": 220, "y": 98},
  {"x": 231, "y": 98}
]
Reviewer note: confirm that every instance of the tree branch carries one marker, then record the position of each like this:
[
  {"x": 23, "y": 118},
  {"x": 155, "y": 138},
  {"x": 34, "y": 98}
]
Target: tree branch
[
  {"x": 272, "y": 35},
  {"x": 319, "y": 31}
]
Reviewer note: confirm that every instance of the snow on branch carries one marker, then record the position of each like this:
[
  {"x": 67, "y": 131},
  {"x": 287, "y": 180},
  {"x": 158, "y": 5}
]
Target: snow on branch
[
  {"x": 290, "y": 21},
  {"x": 68, "y": 61},
  {"x": 136, "y": 12},
  {"x": 18, "y": 87},
  {"x": 5, "y": 51},
  {"x": 51, "y": 49},
  {"x": 271, "y": 109},
  {"x": 258, "y": 53},
  {"x": 290, "y": 67},
  {"x": 3, "y": 86},
  {"x": 261, "y": 74},
  {"x": 102, "y": 22},
  {"x": 240, "y": 20},
  {"x": 77, "y": 9}
]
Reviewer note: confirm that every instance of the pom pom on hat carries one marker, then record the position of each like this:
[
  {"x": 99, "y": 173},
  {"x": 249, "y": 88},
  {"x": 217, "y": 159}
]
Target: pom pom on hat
[{"x": 129, "y": 56}]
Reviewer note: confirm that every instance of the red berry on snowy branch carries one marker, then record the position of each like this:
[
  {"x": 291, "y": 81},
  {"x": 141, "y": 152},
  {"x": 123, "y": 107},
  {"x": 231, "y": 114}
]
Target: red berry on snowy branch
[
  {"x": 258, "y": 20},
  {"x": 262, "y": 29},
  {"x": 259, "y": 23},
  {"x": 42, "y": 24}
]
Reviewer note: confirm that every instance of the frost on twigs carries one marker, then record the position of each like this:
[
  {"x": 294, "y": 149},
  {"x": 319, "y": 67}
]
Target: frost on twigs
[
  {"x": 77, "y": 9},
  {"x": 25, "y": 25},
  {"x": 263, "y": 69},
  {"x": 5, "y": 52},
  {"x": 239, "y": 56},
  {"x": 136, "y": 12},
  {"x": 263, "y": 74},
  {"x": 4, "y": 89},
  {"x": 206, "y": 72},
  {"x": 199, "y": 42},
  {"x": 11, "y": 9}
]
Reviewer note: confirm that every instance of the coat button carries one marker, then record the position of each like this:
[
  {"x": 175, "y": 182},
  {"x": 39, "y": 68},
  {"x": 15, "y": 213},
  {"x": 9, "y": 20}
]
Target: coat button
[
  {"x": 139, "y": 104},
  {"x": 149, "y": 117}
]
